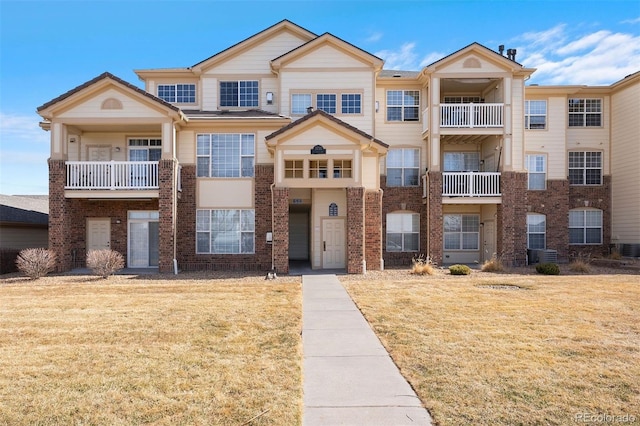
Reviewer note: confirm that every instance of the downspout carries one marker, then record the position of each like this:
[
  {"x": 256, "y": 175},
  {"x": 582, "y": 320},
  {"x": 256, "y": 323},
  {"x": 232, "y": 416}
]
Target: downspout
[
  {"x": 426, "y": 187},
  {"x": 273, "y": 266}
]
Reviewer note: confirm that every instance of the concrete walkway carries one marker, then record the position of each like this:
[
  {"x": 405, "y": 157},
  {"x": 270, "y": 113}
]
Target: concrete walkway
[{"x": 349, "y": 378}]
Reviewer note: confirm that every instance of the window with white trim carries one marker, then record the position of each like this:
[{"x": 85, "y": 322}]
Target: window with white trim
[
  {"x": 535, "y": 115},
  {"x": 403, "y": 105},
  {"x": 145, "y": 149},
  {"x": 461, "y": 232},
  {"x": 537, "y": 171},
  {"x": 536, "y": 231},
  {"x": 326, "y": 102},
  {"x": 177, "y": 93},
  {"x": 463, "y": 100},
  {"x": 585, "y": 112},
  {"x": 403, "y": 232},
  {"x": 239, "y": 93},
  {"x": 403, "y": 167},
  {"x": 318, "y": 169},
  {"x": 342, "y": 169},
  {"x": 225, "y": 155},
  {"x": 351, "y": 103},
  {"x": 585, "y": 168},
  {"x": 300, "y": 102},
  {"x": 585, "y": 226},
  {"x": 294, "y": 169},
  {"x": 225, "y": 231}
]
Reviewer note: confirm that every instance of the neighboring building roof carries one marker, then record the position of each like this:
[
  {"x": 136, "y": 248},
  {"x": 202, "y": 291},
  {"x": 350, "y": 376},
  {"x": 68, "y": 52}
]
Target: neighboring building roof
[
  {"x": 330, "y": 117},
  {"x": 24, "y": 209},
  {"x": 251, "y": 113},
  {"x": 103, "y": 76}
]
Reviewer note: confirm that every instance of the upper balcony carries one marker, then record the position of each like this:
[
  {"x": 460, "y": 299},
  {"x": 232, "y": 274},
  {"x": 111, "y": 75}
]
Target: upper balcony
[
  {"x": 468, "y": 116},
  {"x": 112, "y": 179}
]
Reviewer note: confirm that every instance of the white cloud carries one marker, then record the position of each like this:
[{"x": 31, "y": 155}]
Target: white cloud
[
  {"x": 377, "y": 36},
  {"x": 631, "y": 21},
  {"x": 431, "y": 58},
  {"x": 15, "y": 128},
  {"x": 597, "y": 58},
  {"x": 403, "y": 59}
]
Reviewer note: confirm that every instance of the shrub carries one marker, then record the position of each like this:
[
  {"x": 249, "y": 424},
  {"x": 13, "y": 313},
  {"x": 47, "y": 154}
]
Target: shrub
[
  {"x": 459, "y": 270},
  {"x": 548, "y": 269},
  {"x": 36, "y": 262},
  {"x": 579, "y": 265},
  {"x": 422, "y": 265},
  {"x": 105, "y": 262},
  {"x": 493, "y": 265}
]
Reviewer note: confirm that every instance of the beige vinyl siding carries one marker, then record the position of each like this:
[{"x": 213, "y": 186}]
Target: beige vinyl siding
[
  {"x": 23, "y": 237},
  {"x": 551, "y": 141},
  {"x": 131, "y": 107},
  {"x": 224, "y": 193},
  {"x": 257, "y": 59},
  {"x": 328, "y": 57},
  {"x": 209, "y": 93},
  {"x": 458, "y": 66},
  {"x": 625, "y": 157},
  {"x": 186, "y": 145},
  {"x": 262, "y": 154}
]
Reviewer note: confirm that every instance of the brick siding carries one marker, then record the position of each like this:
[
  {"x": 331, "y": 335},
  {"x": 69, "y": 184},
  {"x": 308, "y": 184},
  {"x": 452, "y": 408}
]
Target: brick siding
[
  {"x": 373, "y": 230},
  {"x": 355, "y": 230}
]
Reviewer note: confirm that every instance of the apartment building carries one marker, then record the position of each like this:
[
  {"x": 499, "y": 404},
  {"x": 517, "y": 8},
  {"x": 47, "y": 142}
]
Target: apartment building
[{"x": 291, "y": 146}]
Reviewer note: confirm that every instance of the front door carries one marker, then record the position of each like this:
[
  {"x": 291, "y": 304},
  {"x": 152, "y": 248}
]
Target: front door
[
  {"x": 489, "y": 236},
  {"x": 98, "y": 234},
  {"x": 333, "y": 245}
]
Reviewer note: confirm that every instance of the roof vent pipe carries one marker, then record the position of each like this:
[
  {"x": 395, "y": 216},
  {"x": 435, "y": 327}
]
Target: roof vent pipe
[{"x": 501, "y": 49}]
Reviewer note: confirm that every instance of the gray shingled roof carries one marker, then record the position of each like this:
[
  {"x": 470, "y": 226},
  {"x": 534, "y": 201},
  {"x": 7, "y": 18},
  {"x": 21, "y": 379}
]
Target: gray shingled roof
[
  {"x": 25, "y": 209},
  {"x": 399, "y": 74}
]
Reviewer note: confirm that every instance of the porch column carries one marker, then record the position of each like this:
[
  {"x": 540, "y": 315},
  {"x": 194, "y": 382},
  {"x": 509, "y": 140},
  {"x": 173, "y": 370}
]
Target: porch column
[
  {"x": 433, "y": 159},
  {"x": 59, "y": 220},
  {"x": 280, "y": 245},
  {"x": 373, "y": 230},
  {"x": 355, "y": 230},
  {"x": 435, "y": 229},
  {"x": 167, "y": 210}
]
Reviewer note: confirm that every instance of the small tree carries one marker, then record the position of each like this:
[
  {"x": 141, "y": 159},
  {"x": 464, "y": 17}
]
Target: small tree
[
  {"x": 105, "y": 262},
  {"x": 36, "y": 262}
]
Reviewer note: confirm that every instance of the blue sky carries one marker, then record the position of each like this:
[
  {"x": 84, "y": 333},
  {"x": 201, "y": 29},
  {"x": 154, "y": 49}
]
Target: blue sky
[{"x": 50, "y": 47}]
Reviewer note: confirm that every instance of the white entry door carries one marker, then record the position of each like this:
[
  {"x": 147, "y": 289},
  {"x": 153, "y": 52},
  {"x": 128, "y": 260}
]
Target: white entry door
[
  {"x": 489, "y": 235},
  {"x": 333, "y": 245},
  {"x": 98, "y": 234}
]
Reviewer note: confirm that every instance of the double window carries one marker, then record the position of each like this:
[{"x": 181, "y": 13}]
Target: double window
[
  {"x": 461, "y": 232},
  {"x": 145, "y": 149},
  {"x": 239, "y": 94},
  {"x": 535, "y": 115},
  {"x": 585, "y": 226},
  {"x": 350, "y": 103},
  {"x": 318, "y": 169},
  {"x": 585, "y": 168},
  {"x": 461, "y": 161},
  {"x": 177, "y": 93},
  {"x": 537, "y": 168},
  {"x": 225, "y": 231},
  {"x": 585, "y": 112},
  {"x": 403, "y": 105},
  {"x": 403, "y": 167},
  {"x": 225, "y": 155},
  {"x": 536, "y": 231},
  {"x": 403, "y": 232}
]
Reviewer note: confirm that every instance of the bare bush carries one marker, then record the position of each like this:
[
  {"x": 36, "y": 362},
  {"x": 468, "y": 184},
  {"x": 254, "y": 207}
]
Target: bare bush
[
  {"x": 105, "y": 262},
  {"x": 493, "y": 265},
  {"x": 422, "y": 265},
  {"x": 36, "y": 262}
]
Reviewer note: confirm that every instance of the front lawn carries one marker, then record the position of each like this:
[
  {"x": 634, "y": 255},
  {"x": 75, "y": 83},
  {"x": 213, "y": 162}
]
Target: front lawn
[
  {"x": 177, "y": 350},
  {"x": 511, "y": 349}
]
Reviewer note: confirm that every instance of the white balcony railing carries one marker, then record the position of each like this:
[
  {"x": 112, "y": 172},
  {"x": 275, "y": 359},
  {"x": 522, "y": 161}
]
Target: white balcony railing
[
  {"x": 112, "y": 175},
  {"x": 470, "y": 184},
  {"x": 471, "y": 115}
]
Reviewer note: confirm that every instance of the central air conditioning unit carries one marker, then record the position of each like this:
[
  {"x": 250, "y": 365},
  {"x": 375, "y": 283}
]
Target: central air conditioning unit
[{"x": 541, "y": 256}]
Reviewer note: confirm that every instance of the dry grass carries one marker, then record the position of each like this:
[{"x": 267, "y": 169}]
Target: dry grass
[
  {"x": 494, "y": 264},
  {"x": 510, "y": 349},
  {"x": 179, "y": 350}
]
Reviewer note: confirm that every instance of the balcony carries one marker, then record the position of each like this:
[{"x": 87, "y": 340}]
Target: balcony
[
  {"x": 112, "y": 175},
  {"x": 470, "y": 184},
  {"x": 471, "y": 115}
]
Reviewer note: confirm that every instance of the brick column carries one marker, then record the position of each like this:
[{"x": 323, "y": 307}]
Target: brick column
[
  {"x": 280, "y": 244},
  {"x": 167, "y": 211},
  {"x": 436, "y": 223},
  {"x": 263, "y": 209},
  {"x": 186, "y": 223},
  {"x": 373, "y": 230},
  {"x": 512, "y": 219},
  {"x": 355, "y": 230},
  {"x": 59, "y": 220}
]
